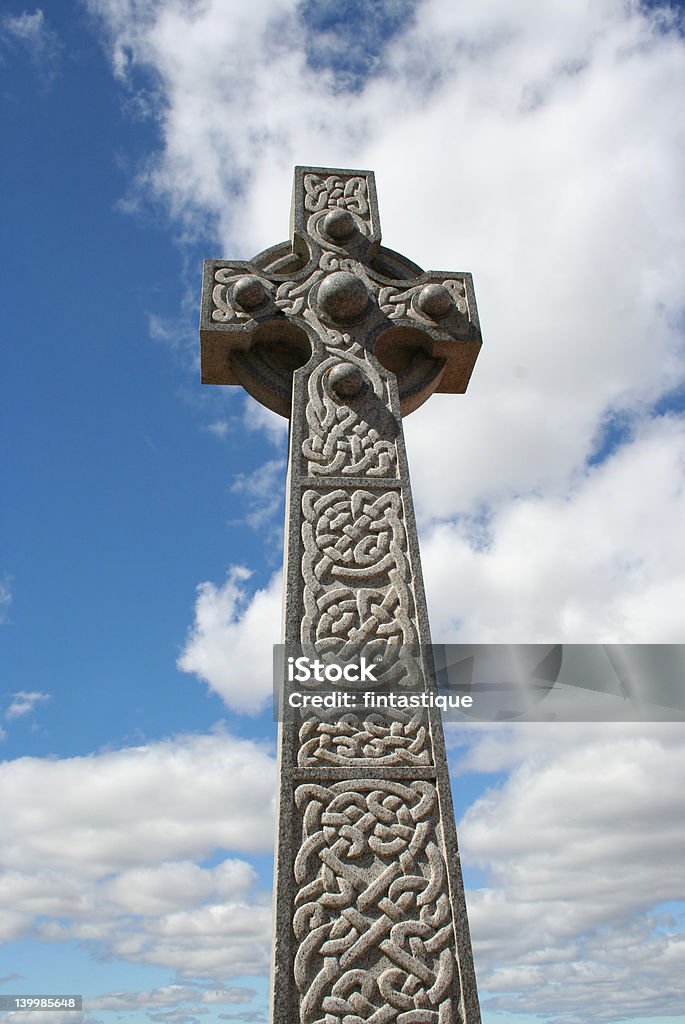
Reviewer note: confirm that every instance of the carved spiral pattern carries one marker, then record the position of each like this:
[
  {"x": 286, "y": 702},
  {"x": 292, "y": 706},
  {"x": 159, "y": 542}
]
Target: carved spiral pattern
[
  {"x": 345, "y": 440},
  {"x": 401, "y": 302},
  {"x": 292, "y": 297},
  {"x": 224, "y": 309},
  {"x": 372, "y": 916}
]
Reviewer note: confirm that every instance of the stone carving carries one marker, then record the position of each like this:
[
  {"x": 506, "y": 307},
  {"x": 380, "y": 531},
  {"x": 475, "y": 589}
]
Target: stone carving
[
  {"x": 374, "y": 738},
  {"x": 349, "y": 438},
  {"x": 334, "y": 261},
  {"x": 424, "y": 302},
  {"x": 237, "y": 295},
  {"x": 292, "y": 296},
  {"x": 372, "y": 916},
  {"x": 343, "y": 336},
  {"x": 355, "y": 568},
  {"x": 338, "y": 209},
  {"x": 347, "y": 192}
]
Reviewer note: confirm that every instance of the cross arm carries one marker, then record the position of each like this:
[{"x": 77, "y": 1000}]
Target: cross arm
[{"x": 261, "y": 319}]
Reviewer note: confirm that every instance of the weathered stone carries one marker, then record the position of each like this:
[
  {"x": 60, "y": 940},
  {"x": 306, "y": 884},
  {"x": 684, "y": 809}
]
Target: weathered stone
[
  {"x": 346, "y": 381},
  {"x": 342, "y": 296},
  {"x": 343, "y": 335},
  {"x": 435, "y": 301},
  {"x": 249, "y": 292},
  {"x": 339, "y": 224}
]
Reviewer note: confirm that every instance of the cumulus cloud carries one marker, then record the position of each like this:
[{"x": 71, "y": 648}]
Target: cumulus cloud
[
  {"x": 230, "y": 643},
  {"x": 598, "y": 562},
  {"x": 115, "y": 857},
  {"x": 116, "y": 810},
  {"x": 579, "y": 846}
]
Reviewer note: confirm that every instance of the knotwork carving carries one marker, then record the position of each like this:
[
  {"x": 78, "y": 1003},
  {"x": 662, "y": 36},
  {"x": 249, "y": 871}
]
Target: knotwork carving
[
  {"x": 329, "y": 261},
  {"x": 344, "y": 336},
  {"x": 224, "y": 308},
  {"x": 402, "y": 302},
  {"x": 356, "y": 572},
  {"x": 373, "y": 919},
  {"x": 349, "y": 439},
  {"x": 334, "y": 190},
  {"x": 292, "y": 296},
  {"x": 348, "y": 198},
  {"x": 370, "y": 738}
]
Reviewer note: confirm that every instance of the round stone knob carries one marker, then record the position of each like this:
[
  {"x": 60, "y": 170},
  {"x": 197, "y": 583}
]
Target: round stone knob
[
  {"x": 343, "y": 296},
  {"x": 346, "y": 380},
  {"x": 249, "y": 292},
  {"x": 435, "y": 301},
  {"x": 339, "y": 224}
]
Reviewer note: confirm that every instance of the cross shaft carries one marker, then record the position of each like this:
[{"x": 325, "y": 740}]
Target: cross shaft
[{"x": 344, "y": 336}]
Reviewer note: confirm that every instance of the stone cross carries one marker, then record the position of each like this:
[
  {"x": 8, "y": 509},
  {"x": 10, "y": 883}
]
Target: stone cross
[{"x": 344, "y": 336}]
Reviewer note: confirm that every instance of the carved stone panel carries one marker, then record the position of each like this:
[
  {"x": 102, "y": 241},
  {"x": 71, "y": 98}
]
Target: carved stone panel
[
  {"x": 357, "y": 578},
  {"x": 351, "y": 429},
  {"x": 375, "y": 738},
  {"x": 373, "y": 920}
]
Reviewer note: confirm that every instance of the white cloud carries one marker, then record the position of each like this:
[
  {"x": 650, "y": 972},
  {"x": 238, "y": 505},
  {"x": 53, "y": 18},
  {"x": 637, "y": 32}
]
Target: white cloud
[
  {"x": 230, "y": 644},
  {"x": 599, "y": 562},
  {"x": 234, "y": 994},
  {"x": 114, "y": 857},
  {"x": 580, "y": 844},
  {"x": 176, "y": 886},
  {"x": 580, "y": 847},
  {"x": 176, "y": 333},
  {"x": 572, "y": 228},
  {"x": 263, "y": 491},
  {"x": 32, "y": 32},
  {"x": 172, "y": 996},
  {"x": 258, "y": 417},
  {"x": 113, "y": 811},
  {"x": 255, "y": 418},
  {"x": 24, "y": 702},
  {"x": 219, "y": 428},
  {"x": 246, "y": 1016},
  {"x": 29, "y": 28},
  {"x": 49, "y": 1017}
]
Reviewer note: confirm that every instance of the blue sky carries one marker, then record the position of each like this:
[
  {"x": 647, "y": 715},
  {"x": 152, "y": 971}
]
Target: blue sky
[{"x": 540, "y": 148}]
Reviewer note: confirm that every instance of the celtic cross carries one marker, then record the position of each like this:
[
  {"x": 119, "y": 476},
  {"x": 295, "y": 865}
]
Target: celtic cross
[{"x": 344, "y": 336}]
